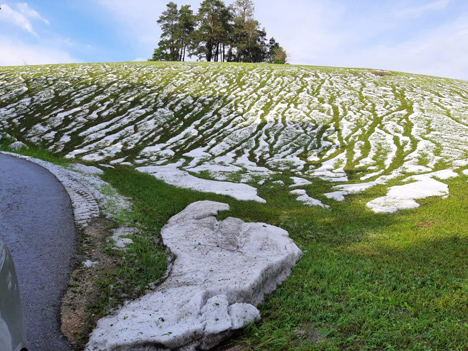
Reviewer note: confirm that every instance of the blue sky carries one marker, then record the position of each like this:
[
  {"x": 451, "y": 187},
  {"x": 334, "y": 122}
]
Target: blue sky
[{"x": 419, "y": 36}]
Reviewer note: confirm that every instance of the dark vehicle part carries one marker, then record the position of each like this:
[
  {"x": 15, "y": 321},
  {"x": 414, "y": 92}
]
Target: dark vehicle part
[{"x": 12, "y": 332}]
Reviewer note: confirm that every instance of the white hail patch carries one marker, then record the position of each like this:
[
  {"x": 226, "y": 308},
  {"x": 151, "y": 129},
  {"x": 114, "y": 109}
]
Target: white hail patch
[
  {"x": 403, "y": 196},
  {"x": 171, "y": 174},
  {"x": 306, "y": 199},
  {"x": 221, "y": 272}
]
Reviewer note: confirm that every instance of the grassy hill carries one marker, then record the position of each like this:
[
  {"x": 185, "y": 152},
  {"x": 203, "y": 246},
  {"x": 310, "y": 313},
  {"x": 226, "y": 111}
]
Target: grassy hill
[
  {"x": 330, "y": 150},
  {"x": 229, "y": 120}
]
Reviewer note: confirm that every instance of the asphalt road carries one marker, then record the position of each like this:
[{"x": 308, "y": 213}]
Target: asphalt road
[{"x": 36, "y": 223}]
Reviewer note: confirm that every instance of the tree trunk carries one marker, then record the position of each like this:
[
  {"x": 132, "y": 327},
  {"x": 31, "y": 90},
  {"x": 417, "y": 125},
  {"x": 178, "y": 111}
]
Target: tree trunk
[{"x": 209, "y": 51}]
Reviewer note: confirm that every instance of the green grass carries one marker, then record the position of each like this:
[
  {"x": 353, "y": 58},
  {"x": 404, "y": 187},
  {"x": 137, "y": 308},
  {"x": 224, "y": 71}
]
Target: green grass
[
  {"x": 374, "y": 282},
  {"x": 366, "y": 281},
  {"x": 33, "y": 151}
]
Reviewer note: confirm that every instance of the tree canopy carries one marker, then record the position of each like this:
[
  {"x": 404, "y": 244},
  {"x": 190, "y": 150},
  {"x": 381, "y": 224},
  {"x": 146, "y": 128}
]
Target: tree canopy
[{"x": 216, "y": 33}]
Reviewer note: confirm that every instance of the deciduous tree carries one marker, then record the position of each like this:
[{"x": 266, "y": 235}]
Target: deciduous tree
[{"x": 276, "y": 54}]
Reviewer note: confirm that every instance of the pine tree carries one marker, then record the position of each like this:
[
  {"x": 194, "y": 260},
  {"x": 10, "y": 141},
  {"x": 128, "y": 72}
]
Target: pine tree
[
  {"x": 216, "y": 33},
  {"x": 280, "y": 56},
  {"x": 170, "y": 46},
  {"x": 244, "y": 10},
  {"x": 248, "y": 39},
  {"x": 213, "y": 33},
  {"x": 187, "y": 23},
  {"x": 159, "y": 55}
]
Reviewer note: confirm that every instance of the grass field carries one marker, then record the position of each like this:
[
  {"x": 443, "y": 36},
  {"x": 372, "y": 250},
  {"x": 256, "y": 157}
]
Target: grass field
[{"x": 367, "y": 280}]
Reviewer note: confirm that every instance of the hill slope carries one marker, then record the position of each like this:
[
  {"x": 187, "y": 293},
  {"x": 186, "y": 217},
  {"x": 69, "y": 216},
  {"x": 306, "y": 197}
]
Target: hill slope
[
  {"x": 366, "y": 281},
  {"x": 242, "y": 122}
]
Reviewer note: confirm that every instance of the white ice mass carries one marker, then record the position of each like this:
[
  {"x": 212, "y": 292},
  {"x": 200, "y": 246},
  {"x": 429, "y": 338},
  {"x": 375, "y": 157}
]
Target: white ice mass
[{"x": 221, "y": 272}]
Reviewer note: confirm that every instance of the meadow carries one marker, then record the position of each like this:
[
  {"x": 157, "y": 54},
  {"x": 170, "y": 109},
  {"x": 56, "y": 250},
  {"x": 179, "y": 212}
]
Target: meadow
[{"x": 365, "y": 169}]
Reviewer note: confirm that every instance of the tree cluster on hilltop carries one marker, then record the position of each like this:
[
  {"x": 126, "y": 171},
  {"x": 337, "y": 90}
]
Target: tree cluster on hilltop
[{"x": 216, "y": 33}]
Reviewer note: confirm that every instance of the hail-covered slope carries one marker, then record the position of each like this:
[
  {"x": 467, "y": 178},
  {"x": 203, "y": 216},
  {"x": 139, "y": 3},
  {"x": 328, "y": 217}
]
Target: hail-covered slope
[{"x": 342, "y": 125}]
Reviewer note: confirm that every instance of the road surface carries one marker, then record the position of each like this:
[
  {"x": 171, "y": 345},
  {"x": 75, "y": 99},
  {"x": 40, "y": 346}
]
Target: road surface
[{"x": 36, "y": 222}]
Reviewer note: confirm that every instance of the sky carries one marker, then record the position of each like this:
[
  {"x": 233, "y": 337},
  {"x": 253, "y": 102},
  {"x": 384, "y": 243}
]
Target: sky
[{"x": 417, "y": 36}]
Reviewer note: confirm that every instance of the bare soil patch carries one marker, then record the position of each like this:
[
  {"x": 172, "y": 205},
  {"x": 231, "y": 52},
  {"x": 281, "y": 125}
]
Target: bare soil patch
[
  {"x": 84, "y": 289},
  {"x": 380, "y": 74}
]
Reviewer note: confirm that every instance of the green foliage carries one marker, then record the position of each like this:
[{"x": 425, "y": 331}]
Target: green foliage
[
  {"x": 159, "y": 54},
  {"x": 33, "y": 151},
  {"x": 213, "y": 30},
  {"x": 276, "y": 54},
  {"x": 177, "y": 27},
  {"x": 186, "y": 29},
  {"x": 217, "y": 33},
  {"x": 247, "y": 38},
  {"x": 169, "y": 22}
]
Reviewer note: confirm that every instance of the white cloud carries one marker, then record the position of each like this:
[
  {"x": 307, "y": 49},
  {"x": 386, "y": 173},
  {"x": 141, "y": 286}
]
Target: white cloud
[
  {"x": 22, "y": 17},
  {"x": 15, "y": 53},
  {"x": 415, "y": 12},
  {"x": 30, "y": 13},
  {"x": 137, "y": 19},
  {"x": 19, "y": 47},
  {"x": 441, "y": 51}
]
